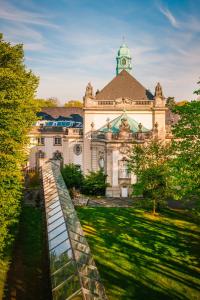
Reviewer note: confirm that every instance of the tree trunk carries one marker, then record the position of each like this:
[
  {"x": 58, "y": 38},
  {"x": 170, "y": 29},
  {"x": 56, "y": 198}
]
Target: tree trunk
[{"x": 154, "y": 206}]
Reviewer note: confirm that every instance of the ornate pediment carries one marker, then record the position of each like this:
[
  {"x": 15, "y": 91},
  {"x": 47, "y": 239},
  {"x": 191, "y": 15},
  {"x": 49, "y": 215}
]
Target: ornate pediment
[{"x": 123, "y": 101}]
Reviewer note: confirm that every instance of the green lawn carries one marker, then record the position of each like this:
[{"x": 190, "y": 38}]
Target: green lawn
[{"x": 144, "y": 257}]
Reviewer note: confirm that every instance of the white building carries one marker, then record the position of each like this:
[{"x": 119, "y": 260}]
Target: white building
[{"x": 122, "y": 113}]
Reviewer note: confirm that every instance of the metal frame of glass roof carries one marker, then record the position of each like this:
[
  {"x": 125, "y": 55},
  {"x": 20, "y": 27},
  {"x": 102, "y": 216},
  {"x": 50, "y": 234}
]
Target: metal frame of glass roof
[{"x": 74, "y": 274}]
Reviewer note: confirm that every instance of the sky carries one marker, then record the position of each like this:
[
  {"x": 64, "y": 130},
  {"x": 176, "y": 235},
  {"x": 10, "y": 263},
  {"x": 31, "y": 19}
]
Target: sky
[{"x": 69, "y": 43}]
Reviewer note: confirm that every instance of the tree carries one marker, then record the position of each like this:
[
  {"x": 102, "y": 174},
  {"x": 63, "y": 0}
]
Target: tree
[
  {"x": 181, "y": 103},
  {"x": 17, "y": 114},
  {"x": 149, "y": 162},
  {"x": 72, "y": 176},
  {"x": 95, "y": 183},
  {"x": 186, "y": 164},
  {"x": 170, "y": 102},
  {"x": 49, "y": 102},
  {"x": 73, "y": 103}
]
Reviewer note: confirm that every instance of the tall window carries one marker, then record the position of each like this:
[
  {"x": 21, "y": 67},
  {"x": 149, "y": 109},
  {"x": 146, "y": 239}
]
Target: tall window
[
  {"x": 123, "y": 169},
  {"x": 57, "y": 141},
  {"x": 40, "y": 141}
]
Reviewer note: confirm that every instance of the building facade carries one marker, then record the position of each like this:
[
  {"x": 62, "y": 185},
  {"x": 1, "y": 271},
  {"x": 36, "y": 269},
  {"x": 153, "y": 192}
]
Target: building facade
[{"x": 123, "y": 113}]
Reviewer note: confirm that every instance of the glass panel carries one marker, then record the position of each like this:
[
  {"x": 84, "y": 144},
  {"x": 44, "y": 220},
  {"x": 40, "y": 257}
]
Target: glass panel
[
  {"x": 58, "y": 239},
  {"x": 57, "y": 231},
  {"x": 54, "y": 199},
  {"x": 53, "y": 205},
  {"x": 59, "y": 257},
  {"x": 51, "y": 197},
  {"x": 89, "y": 271},
  {"x": 78, "y": 237},
  {"x": 64, "y": 246},
  {"x": 76, "y": 229},
  {"x": 64, "y": 234},
  {"x": 81, "y": 247},
  {"x": 77, "y": 297},
  {"x": 82, "y": 258},
  {"x": 92, "y": 285},
  {"x": 50, "y": 190},
  {"x": 73, "y": 219},
  {"x": 54, "y": 211},
  {"x": 54, "y": 217},
  {"x": 67, "y": 288},
  {"x": 55, "y": 224},
  {"x": 63, "y": 274}
]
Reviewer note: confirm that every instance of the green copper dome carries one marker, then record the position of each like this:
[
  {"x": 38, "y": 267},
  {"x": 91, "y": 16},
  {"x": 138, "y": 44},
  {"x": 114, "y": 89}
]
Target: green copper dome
[{"x": 124, "y": 51}]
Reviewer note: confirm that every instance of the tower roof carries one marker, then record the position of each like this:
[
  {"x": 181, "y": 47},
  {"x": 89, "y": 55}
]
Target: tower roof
[
  {"x": 124, "y": 85},
  {"x": 124, "y": 50}
]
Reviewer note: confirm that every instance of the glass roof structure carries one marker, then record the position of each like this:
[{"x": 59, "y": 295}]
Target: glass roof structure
[
  {"x": 74, "y": 274},
  {"x": 114, "y": 124},
  {"x": 65, "y": 124}
]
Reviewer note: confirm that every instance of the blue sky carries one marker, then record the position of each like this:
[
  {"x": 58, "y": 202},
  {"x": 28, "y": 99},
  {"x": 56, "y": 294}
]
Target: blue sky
[{"x": 69, "y": 43}]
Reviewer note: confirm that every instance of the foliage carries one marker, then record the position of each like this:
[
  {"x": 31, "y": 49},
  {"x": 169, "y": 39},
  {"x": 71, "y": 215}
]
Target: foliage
[
  {"x": 171, "y": 170},
  {"x": 186, "y": 164},
  {"x": 33, "y": 180},
  {"x": 92, "y": 184},
  {"x": 50, "y": 102},
  {"x": 73, "y": 103},
  {"x": 29, "y": 264},
  {"x": 95, "y": 183},
  {"x": 140, "y": 256},
  {"x": 149, "y": 162},
  {"x": 181, "y": 103},
  {"x": 170, "y": 102},
  {"x": 72, "y": 176},
  {"x": 197, "y": 92},
  {"x": 17, "y": 114}
]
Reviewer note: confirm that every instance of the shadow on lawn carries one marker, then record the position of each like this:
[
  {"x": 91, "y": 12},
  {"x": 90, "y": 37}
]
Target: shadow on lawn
[{"x": 143, "y": 258}]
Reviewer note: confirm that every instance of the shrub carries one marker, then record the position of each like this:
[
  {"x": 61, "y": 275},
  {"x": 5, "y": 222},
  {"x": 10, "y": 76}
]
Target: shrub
[
  {"x": 95, "y": 183},
  {"x": 72, "y": 176}
]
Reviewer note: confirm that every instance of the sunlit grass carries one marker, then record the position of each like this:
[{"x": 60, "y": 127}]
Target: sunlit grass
[{"x": 141, "y": 256}]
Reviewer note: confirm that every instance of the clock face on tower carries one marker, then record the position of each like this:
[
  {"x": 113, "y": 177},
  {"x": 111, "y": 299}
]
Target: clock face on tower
[{"x": 123, "y": 61}]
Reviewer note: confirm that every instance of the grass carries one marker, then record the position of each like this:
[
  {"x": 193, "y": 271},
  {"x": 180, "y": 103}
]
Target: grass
[
  {"x": 144, "y": 257},
  {"x": 28, "y": 273}
]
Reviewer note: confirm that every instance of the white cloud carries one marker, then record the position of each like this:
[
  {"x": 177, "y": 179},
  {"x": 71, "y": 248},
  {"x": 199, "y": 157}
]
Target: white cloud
[
  {"x": 32, "y": 39},
  {"x": 168, "y": 14},
  {"x": 10, "y": 13}
]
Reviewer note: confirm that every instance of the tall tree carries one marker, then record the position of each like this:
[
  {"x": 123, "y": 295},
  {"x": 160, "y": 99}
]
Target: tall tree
[
  {"x": 17, "y": 113},
  {"x": 149, "y": 162},
  {"x": 170, "y": 102},
  {"x": 186, "y": 164},
  {"x": 49, "y": 102},
  {"x": 73, "y": 103}
]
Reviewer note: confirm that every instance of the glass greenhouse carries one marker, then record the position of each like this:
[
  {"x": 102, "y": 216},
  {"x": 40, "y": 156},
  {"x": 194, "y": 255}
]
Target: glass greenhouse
[{"x": 74, "y": 274}]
